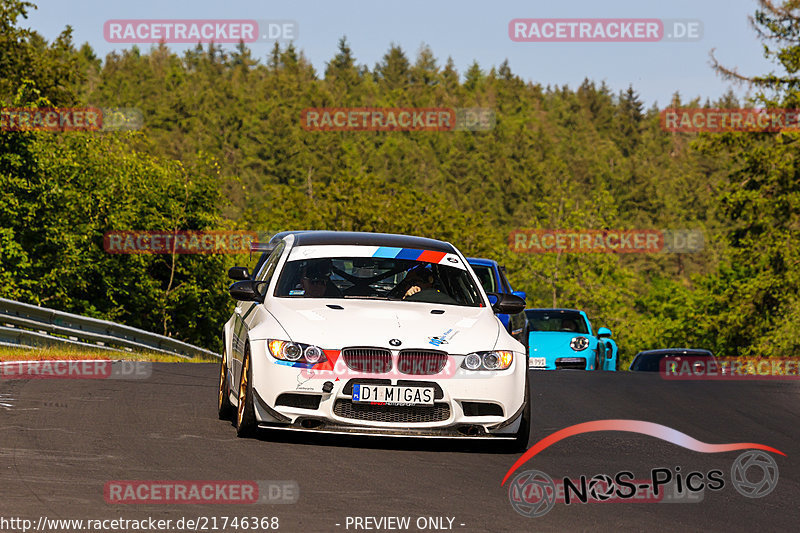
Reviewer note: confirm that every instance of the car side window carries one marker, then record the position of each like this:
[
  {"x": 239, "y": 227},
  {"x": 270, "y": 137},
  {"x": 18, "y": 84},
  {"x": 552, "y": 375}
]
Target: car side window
[
  {"x": 266, "y": 272},
  {"x": 485, "y": 276},
  {"x": 504, "y": 281}
]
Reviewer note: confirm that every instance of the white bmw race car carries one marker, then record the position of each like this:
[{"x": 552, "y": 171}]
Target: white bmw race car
[{"x": 368, "y": 333}]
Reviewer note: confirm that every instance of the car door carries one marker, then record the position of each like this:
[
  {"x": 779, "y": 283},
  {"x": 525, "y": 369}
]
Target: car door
[{"x": 244, "y": 313}]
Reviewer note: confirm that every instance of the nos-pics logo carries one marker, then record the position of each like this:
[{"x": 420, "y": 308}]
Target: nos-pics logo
[
  {"x": 754, "y": 474},
  {"x": 532, "y": 493}
]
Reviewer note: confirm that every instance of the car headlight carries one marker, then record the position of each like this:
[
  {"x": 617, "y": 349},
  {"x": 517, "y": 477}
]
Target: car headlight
[
  {"x": 296, "y": 352},
  {"x": 494, "y": 360},
  {"x": 473, "y": 361},
  {"x": 313, "y": 354},
  {"x": 579, "y": 343}
]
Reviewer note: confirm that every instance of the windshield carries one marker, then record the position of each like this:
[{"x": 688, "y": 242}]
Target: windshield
[
  {"x": 651, "y": 362},
  {"x": 556, "y": 321},
  {"x": 378, "y": 278}
]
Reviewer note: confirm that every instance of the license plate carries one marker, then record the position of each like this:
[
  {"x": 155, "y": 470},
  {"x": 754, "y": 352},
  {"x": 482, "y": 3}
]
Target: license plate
[
  {"x": 392, "y": 395},
  {"x": 538, "y": 361}
]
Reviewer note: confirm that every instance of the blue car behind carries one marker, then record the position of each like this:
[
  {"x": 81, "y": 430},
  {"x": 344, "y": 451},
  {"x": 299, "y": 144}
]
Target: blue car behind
[
  {"x": 493, "y": 278},
  {"x": 564, "y": 339}
]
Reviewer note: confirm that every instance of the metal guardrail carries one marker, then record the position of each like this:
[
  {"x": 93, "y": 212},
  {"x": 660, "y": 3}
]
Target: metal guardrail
[{"x": 30, "y": 326}]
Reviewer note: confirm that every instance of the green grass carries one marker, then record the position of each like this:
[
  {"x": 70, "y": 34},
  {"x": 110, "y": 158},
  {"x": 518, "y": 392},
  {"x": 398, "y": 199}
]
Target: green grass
[{"x": 75, "y": 352}]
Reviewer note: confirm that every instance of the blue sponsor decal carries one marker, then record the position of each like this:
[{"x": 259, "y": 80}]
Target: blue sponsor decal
[
  {"x": 443, "y": 338},
  {"x": 294, "y": 365}
]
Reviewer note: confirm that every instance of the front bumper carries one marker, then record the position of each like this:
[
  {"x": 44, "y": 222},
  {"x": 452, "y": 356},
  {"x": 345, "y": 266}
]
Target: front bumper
[{"x": 469, "y": 405}]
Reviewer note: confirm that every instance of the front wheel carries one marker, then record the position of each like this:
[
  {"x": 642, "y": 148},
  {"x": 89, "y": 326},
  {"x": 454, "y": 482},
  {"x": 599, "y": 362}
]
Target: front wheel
[
  {"x": 245, "y": 413},
  {"x": 224, "y": 407},
  {"x": 520, "y": 442}
]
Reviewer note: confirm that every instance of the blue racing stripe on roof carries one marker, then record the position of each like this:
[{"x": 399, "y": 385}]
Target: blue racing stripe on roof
[
  {"x": 387, "y": 251},
  {"x": 409, "y": 253}
]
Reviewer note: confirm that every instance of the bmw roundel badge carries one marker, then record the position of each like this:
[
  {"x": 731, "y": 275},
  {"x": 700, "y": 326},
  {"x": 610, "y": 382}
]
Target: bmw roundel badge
[{"x": 395, "y": 342}]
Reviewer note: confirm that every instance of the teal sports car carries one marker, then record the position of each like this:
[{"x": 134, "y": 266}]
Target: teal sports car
[{"x": 564, "y": 339}]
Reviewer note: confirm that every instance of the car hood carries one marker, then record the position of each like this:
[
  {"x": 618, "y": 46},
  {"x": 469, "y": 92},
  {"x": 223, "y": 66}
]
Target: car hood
[
  {"x": 458, "y": 330},
  {"x": 542, "y": 342}
]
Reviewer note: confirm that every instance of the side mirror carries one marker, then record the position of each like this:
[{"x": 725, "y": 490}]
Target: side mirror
[
  {"x": 246, "y": 291},
  {"x": 238, "y": 273},
  {"x": 603, "y": 332},
  {"x": 508, "y": 304},
  {"x": 521, "y": 294}
]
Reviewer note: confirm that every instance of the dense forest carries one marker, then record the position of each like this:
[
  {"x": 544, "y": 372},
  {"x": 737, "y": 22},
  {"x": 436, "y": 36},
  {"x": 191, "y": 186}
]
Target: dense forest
[{"x": 223, "y": 147}]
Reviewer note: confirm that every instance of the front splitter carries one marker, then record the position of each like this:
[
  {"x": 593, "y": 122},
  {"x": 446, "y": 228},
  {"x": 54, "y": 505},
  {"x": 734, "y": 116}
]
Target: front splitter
[{"x": 341, "y": 429}]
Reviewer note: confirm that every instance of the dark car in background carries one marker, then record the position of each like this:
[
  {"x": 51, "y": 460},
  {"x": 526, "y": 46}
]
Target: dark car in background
[
  {"x": 650, "y": 360},
  {"x": 493, "y": 278}
]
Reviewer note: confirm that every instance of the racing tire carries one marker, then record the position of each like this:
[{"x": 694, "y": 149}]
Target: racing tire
[
  {"x": 245, "y": 412},
  {"x": 224, "y": 406}
]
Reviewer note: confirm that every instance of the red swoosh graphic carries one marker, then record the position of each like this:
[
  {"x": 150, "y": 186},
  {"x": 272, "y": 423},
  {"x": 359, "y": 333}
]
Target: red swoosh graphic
[{"x": 635, "y": 426}]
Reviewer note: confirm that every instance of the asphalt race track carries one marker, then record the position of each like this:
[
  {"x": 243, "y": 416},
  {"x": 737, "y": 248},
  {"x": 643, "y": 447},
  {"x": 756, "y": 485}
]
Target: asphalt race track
[{"x": 62, "y": 440}]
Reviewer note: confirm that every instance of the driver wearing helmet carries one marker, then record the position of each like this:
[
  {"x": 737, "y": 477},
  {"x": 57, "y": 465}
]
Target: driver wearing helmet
[
  {"x": 418, "y": 279},
  {"x": 315, "y": 279}
]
